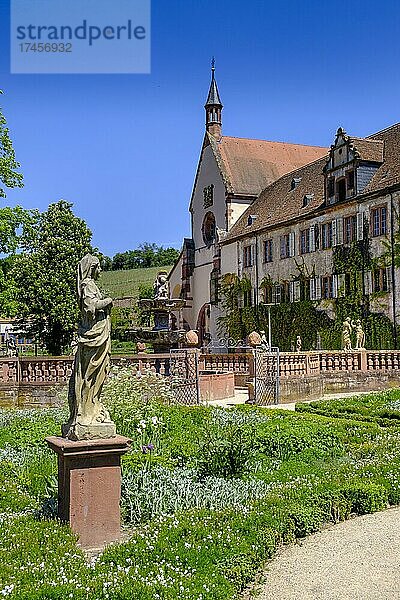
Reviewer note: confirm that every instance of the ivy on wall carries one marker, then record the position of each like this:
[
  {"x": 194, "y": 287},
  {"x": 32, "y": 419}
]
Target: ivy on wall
[{"x": 317, "y": 322}]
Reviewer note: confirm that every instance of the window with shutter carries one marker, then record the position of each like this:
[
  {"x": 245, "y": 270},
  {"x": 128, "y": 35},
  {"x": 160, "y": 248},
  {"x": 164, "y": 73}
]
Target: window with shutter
[
  {"x": 291, "y": 244},
  {"x": 334, "y": 233},
  {"x": 360, "y": 226},
  {"x": 291, "y": 291},
  {"x": 368, "y": 282},
  {"x": 297, "y": 291},
  {"x": 350, "y": 229},
  {"x": 318, "y": 288},
  {"x": 334, "y": 286},
  {"x": 312, "y": 238},
  {"x": 312, "y": 289},
  {"x": 339, "y": 231}
]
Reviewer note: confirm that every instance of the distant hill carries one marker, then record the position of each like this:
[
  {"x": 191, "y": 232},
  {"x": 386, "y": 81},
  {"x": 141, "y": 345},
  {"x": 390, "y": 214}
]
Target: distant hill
[{"x": 126, "y": 283}]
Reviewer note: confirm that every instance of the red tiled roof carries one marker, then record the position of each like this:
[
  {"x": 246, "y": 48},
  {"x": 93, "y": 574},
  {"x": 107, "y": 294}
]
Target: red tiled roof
[
  {"x": 248, "y": 166},
  {"x": 369, "y": 150},
  {"x": 278, "y": 203}
]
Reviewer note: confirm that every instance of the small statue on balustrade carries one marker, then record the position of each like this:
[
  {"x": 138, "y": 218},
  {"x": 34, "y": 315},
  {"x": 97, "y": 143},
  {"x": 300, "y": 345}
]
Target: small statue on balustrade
[
  {"x": 299, "y": 344},
  {"x": 346, "y": 335},
  {"x": 264, "y": 342},
  {"x": 360, "y": 335},
  {"x": 89, "y": 419}
]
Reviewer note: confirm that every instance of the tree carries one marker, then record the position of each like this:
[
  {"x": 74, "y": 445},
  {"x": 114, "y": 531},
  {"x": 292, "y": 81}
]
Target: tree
[
  {"x": 147, "y": 255},
  {"x": 53, "y": 243},
  {"x": 9, "y": 177}
]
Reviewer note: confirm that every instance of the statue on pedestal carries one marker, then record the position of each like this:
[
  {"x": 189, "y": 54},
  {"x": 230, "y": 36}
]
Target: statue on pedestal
[
  {"x": 346, "y": 335},
  {"x": 299, "y": 344},
  {"x": 89, "y": 419},
  {"x": 360, "y": 335}
]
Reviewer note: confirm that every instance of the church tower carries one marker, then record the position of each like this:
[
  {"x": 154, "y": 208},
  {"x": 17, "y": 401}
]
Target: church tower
[{"x": 213, "y": 107}]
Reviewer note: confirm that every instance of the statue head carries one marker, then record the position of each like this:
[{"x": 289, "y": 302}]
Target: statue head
[
  {"x": 88, "y": 268},
  {"x": 162, "y": 277}
]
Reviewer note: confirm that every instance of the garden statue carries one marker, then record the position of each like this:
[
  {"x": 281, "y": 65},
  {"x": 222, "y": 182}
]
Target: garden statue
[
  {"x": 360, "y": 335},
  {"x": 346, "y": 335},
  {"x": 264, "y": 341},
  {"x": 89, "y": 419},
  {"x": 161, "y": 291},
  {"x": 298, "y": 344}
]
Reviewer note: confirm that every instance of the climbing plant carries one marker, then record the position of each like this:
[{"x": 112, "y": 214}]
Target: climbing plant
[{"x": 315, "y": 321}]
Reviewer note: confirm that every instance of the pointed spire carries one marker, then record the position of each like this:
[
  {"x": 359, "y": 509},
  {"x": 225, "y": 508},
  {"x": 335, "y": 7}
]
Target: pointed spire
[
  {"x": 213, "y": 98},
  {"x": 213, "y": 106}
]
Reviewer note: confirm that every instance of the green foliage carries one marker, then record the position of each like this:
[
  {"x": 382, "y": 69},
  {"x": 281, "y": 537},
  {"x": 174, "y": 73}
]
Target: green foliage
[
  {"x": 127, "y": 283},
  {"x": 53, "y": 243},
  {"x": 147, "y": 255},
  {"x": 238, "y": 320},
  {"x": 292, "y": 319},
  {"x": 383, "y": 408},
  {"x": 9, "y": 177},
  {"x": 211, "y": 498},
  {"x": 306, "y": 318}
]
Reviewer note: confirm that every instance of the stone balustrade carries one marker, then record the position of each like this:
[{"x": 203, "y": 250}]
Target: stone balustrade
[{"x": 44, "y": 371}]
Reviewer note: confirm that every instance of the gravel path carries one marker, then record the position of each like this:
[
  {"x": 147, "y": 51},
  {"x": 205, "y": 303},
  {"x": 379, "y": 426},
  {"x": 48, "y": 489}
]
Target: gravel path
[{"x": 358, "y": 559}]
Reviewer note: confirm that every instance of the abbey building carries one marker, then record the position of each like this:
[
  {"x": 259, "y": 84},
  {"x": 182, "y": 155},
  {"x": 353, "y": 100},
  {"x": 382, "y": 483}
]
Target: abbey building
[{"x": 287, "y": 216}]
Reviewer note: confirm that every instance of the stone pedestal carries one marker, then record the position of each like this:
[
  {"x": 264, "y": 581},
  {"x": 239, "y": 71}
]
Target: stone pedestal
[{"x": 89, "y": 487}]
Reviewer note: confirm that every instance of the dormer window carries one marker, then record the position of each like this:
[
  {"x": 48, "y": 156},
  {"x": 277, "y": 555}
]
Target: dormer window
[
  {"x": 295, "y": 182},
  {"x": 251, "y": 219},
  {"x": 351, "y": 165},
  {"x": 307, "y": 199}
]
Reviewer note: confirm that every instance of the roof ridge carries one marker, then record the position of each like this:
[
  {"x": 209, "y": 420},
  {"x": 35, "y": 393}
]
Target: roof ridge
[
  {"x": 384, "y": 130},
  {"x": 366, "y": 139},
  {"x": 233, "y": 137}
]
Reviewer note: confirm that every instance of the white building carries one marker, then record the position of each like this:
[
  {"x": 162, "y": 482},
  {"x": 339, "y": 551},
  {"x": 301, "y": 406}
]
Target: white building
[{"x": 230, "y": 175}]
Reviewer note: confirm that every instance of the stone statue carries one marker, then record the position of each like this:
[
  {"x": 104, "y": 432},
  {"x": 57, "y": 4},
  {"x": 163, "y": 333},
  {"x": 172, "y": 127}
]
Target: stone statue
[
  {"x": 360, "y": 335},
  {"x": 298, "y": 344},
  {"x": 264, "y": 341},
  {"x": 346, "y": 335},
  {"x": 89, "y": 419},
  {"x": 161, "y": 291}
]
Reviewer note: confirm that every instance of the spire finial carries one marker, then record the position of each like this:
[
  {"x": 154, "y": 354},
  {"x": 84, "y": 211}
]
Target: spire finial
[{"x": 213, "y": 64}]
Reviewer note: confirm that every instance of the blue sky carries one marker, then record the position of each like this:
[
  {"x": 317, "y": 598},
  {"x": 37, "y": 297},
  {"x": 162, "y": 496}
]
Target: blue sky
[{"x": 124, "y": 148}]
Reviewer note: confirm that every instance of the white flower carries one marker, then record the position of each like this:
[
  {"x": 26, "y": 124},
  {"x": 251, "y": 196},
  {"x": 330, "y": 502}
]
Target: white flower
[{"x": 154, "y": 420}]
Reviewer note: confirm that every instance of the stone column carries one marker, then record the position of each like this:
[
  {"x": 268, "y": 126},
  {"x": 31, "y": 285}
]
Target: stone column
[{"x": 89, "y": 487}]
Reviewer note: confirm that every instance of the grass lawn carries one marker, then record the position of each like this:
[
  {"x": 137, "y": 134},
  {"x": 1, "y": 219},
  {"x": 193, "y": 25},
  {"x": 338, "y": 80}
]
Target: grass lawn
[
  {"x": 208, "y": 494},
  {"x": 126, "y": 283}
]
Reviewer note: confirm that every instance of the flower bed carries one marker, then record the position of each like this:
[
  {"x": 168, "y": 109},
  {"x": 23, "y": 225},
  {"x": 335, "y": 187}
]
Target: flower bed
[{"x": 208, "y": 494}]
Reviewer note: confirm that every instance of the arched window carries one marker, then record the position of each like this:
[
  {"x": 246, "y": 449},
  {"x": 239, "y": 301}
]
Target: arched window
[{"x": 209, "y": 229}]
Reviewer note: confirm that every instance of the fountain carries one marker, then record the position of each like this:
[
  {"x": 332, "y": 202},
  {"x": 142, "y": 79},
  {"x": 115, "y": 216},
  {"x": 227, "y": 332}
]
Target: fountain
[{"x": 162, "y": 336}]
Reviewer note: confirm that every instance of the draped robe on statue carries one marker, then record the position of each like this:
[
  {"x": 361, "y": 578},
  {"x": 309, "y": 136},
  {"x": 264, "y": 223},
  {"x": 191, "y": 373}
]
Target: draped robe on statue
[{"x": 88, "y": 416}]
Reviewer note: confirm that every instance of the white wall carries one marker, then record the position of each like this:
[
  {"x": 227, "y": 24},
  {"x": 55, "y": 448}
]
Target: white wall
[
  {"x": 208, "y": 174},
  {"x": 319, "y": 262}
]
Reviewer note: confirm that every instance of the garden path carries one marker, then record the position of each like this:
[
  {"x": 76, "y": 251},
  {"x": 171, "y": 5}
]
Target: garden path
[{"x": 355, "y": 560}]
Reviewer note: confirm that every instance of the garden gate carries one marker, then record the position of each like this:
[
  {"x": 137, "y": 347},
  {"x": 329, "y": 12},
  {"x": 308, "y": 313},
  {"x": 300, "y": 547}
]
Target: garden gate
[
  {"x": 266, "y": 376},
  {"x": 184, "y": 375}
]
